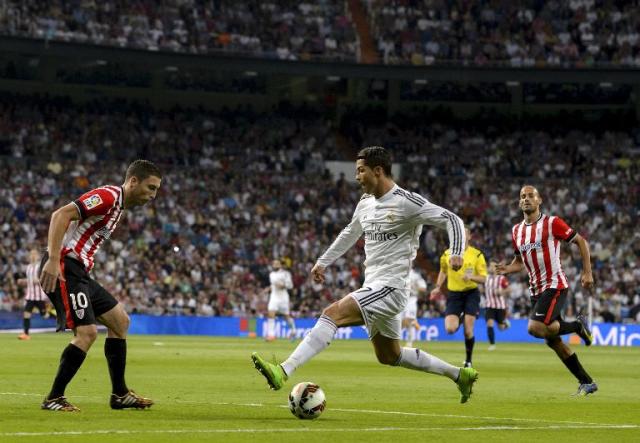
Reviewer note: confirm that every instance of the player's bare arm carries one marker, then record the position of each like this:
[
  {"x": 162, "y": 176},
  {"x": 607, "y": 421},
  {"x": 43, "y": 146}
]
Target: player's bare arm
[
  {"x": 480, "y": 279},
  {"x": 317, "y": 273},
  {"x": 437, "y": 291},
  {"x": 515, "y": 266},
  {"x": 60, "y": 220},
  {"x": 586, "y": 278}
]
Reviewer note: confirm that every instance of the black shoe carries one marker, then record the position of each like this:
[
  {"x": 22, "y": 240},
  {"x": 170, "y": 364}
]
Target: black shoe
[
  {"x": 585, "y": 389},
  {"x": 58, "y": 404},
  {"x": 130, "y": 400},
  {"x": 584, "y": 332}
]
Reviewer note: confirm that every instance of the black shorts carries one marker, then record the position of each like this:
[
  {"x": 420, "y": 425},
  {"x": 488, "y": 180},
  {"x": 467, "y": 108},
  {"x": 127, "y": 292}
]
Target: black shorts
[
  {"x": 547, "y": 306},
  {"x": 498, "y": 315},
  {"x": 464, "y": 302},
  {"x": 79, "y": 300},
  {"x": 40, "y": 304}
]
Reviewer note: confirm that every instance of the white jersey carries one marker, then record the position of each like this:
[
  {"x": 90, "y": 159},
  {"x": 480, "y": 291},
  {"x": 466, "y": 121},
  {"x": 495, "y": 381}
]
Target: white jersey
[
  {"x": 391, "y": 226},
  {"x": 417, "y": 284},
  {"x": 280, "y": 283}
]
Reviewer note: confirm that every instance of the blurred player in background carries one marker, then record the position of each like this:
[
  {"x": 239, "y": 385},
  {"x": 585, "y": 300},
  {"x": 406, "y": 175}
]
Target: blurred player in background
[
  {"x": 417, "y": 288},
  {"x": 536, "y": 245},
  {"x": 34, "y": 296},
  {"x": 280, "y": 283},
  {"x": 496, "y": 290},
  {"x": 76, "y": 232},
  {"x": 391, "y": 220},
  {"x": 463, "y": 298}
]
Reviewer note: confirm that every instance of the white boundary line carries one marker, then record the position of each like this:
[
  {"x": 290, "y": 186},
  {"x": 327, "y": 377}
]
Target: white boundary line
[
  {"x": 316, "y": 430},
  {"x": 425, "y": 414},
  {"x": 553, "y": 424}
]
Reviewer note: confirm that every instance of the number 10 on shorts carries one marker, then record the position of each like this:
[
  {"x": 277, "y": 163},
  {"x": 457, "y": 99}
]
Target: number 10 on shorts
[{"x": 79, "y": 300}]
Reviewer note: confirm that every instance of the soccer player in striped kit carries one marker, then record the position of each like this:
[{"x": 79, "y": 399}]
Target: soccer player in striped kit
[
  {"x": 390, "y": 219},
  {"x": 76, "y": 232},
  {"x": 496, "y": 289},
  {"x": 34, "y": 296},
  {"x": 536, "y": 244}
]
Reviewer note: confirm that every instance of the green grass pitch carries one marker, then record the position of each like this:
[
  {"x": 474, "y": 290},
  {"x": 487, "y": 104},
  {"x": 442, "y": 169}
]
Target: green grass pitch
[{"x": 206, "y": 389}]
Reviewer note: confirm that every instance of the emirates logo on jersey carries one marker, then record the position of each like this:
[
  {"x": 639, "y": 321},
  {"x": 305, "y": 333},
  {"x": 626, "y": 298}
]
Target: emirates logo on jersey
[
  {"x": 376, "y": 234},
  {"x": 380, "y": 236}
]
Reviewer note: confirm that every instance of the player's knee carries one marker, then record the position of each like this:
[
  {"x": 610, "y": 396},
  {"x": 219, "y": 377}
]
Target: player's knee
[
  {"x": 451, "y": 329},
  {"x": 123, "y": 325},
  {"x": 87, "y": 335},
  {"x": 126, "y": 321},
  {"x": 536, "y": 330},
  {"x": 331, "y": 311}
]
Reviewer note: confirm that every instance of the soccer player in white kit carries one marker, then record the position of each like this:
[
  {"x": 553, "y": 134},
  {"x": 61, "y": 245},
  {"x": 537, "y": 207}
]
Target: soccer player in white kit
[
  {"x": 391, "y": 220},
  {"x": 417, "y": 287},
  {"x": 280, "y": 283}
]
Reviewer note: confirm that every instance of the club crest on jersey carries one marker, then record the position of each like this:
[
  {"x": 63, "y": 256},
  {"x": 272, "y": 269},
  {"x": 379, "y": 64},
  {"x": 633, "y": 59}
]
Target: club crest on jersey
[
  {"x": 391, "y": 217},
  {"x": 80, "y": 313},
  {"x": 92, "y": 201}
]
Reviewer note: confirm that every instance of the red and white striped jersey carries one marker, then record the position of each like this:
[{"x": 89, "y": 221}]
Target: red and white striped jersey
[
  {"x": 34, "y": 291},
  {"x": 492, "y": 291},
  {"x": 538, "y": 244},
  {"x": 100, "y": 210}
]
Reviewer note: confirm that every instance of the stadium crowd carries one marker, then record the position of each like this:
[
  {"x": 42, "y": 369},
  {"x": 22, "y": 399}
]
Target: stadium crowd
[
  {"x": 245, "y": 188},
  {"x": 524, "y": 33},
  {"x": 288, "y": 30},
  {"x": 578, "y": 33}
]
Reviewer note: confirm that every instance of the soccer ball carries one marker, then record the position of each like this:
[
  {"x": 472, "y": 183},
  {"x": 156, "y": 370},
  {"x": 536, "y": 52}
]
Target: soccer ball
[{"x": 307, "y": 400}]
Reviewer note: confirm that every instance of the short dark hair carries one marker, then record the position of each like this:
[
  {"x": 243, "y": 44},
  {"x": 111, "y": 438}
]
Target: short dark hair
[
  {"x": 376, "y": 156},
  {"x": 142, "y": 169}
]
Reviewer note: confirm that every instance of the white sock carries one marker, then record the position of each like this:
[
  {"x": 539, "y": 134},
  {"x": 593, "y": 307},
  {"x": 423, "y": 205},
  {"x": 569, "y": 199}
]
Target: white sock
[
  {"x": 292, "y": 326},
  {"x": 271, "y": 327},
  {"x": 413, "y": 358},
  {"x": 315, "y": 342},
  {"x": 412, "y": 333}
]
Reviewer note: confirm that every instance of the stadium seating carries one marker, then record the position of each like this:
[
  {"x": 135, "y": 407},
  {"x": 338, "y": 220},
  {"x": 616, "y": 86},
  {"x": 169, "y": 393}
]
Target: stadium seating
[
  {"x": 286, "y": 30},
  {"x": 526, "y": 33},
  {"x": 577, "y": 33}
]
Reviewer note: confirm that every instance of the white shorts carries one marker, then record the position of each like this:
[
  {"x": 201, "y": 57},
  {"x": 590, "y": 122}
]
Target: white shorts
[
  {"x": 279, "y": 305},
  {"x": 381, "y": 308},
  {"x": 411, "y": 310}
]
